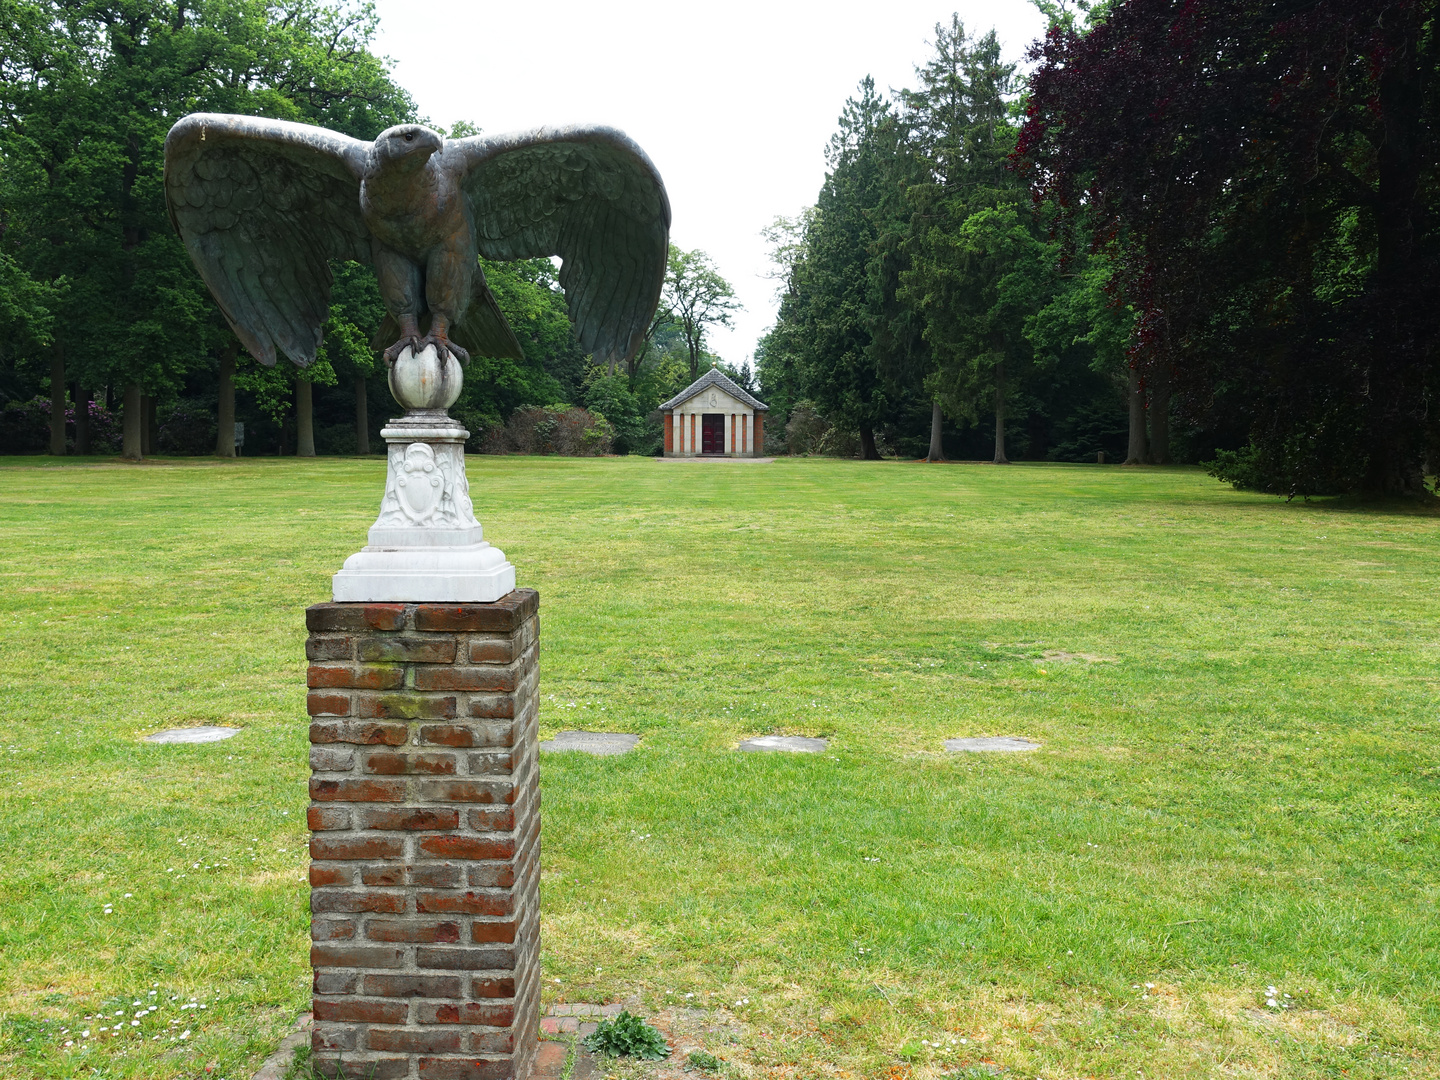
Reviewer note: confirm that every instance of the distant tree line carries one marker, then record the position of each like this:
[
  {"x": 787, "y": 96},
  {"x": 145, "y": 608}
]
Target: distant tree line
[
  {"x": 1199, "y": 232},
  {"x": 925, "y": 306}
]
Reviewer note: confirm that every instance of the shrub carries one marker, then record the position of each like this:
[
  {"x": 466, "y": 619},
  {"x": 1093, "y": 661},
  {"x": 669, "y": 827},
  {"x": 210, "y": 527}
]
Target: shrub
[
  {"x": 188, "y": 429},
  {"x": 105, "y": 429},
  {"x": 809, "y": 431},
  {"x": 611, "y": 396},
  {"x": 25, "y": 426},
  {"x": 558, "y": 429},
  {"x": 1300, "y": 465},
  {"x": 628, "y": 1036},
  {"x": 335, "y": 438},
  {"x": 480, "y": 425}
]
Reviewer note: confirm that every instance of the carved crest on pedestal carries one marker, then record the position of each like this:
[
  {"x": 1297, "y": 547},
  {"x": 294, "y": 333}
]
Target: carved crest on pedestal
[{"x": 425, "y": 485}]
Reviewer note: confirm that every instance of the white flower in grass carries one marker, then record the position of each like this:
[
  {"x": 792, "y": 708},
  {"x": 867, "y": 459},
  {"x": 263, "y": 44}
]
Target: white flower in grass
[
  {"x": 185, "y": 1034},
  {"x": 85, "y": 1034}
]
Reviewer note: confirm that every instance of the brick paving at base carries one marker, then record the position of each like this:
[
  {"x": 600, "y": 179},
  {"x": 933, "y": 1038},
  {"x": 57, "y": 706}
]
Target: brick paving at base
[
  {"x": 580, "y": 1020},
  {"x": 550, "y": 1062},
  {"x": 570, "y": 1023}
]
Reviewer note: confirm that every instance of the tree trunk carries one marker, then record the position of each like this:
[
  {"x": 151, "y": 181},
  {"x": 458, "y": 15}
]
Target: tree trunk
[
  {"x": 1160, "y": 419},
  {"x": 304, "y": 420},
  {"x": 225, "y": 433},
  {"x": 57, "y": 399},
  {"x": 147, "y": 447},
  {"x": 1395, "y": 379},
  {"x": 937, "y": 443},
  {"x": 1000, "y": 458},
  {"x": 131, "y": 423},
  {"x": 868, "y": 452},
  {"x": 1139, "y": 450},
  {"x": 362, "y": 417},
  {"x": 82, "y": 420}
]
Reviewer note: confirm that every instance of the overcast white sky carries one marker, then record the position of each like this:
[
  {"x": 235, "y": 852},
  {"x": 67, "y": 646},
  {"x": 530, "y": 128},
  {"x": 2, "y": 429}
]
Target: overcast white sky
[{"x": 733, "y": 102}]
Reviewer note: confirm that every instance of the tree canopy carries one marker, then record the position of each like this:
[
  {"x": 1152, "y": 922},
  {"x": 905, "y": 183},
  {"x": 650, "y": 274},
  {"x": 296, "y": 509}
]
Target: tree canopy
[{"x": 1267, "y": 174}]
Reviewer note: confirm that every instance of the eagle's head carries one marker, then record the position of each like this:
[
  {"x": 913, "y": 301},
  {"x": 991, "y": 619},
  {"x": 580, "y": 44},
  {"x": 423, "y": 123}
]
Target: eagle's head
[{"x": 407, "y": 146}]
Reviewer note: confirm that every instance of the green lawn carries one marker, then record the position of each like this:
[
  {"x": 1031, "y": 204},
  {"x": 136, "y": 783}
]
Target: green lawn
[{"x": 1237, "y": 789}]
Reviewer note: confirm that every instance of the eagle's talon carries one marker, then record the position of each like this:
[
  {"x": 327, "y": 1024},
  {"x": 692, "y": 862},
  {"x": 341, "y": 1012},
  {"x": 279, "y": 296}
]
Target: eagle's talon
[
  {"x": 444, "y": 346},
  {"x": 411, "y": 342}
]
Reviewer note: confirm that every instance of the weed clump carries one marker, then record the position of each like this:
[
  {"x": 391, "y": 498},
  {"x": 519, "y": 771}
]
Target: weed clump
[{"x": 628, "y": 1036}]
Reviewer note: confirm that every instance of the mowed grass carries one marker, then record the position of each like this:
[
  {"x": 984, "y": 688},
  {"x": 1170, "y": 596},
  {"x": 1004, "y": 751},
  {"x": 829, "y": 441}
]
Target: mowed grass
[{"x": 1237, "y": 790}]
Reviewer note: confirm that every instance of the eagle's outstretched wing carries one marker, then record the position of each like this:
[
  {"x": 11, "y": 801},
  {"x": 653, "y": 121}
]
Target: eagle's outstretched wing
[
  {"x": 590, "y": 196},
  {"x": 262, "y": 206}
]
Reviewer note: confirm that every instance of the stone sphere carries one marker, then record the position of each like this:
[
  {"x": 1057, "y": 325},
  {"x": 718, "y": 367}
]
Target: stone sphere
[{"x": 424, "y": 381}]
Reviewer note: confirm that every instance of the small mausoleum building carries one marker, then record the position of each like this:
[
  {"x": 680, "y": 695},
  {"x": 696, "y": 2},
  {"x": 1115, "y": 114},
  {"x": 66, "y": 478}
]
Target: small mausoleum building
[{"x": 713, "y": 417}]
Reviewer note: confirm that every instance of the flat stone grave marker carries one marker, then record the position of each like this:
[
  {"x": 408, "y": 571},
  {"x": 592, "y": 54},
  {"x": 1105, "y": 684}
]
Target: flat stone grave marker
[
  {"x": 599, "y": 743},
  {"x": 793, "y": 744},
  {"x": 193, "y": 734},
  {"x": 994, "y": 744}
]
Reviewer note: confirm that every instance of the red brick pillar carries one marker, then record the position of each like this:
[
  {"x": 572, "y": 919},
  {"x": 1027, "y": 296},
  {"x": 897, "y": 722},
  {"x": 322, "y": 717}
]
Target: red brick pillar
[
  {"x": 425, "y": 845},
  {"x": 669, "y": 434},
  {"x": 758, "y": 447}
]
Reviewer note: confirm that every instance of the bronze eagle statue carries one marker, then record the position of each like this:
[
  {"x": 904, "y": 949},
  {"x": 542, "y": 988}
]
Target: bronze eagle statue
[{"x": 264, "y": 205}]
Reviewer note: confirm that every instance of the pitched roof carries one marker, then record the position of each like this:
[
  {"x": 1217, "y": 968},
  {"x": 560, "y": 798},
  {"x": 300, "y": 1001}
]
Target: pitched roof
[{"x": 713, "y": 377}]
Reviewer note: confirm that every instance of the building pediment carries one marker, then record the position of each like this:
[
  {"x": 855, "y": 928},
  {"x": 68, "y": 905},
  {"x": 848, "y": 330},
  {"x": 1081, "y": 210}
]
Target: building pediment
[{"x": 727, "y": 396}]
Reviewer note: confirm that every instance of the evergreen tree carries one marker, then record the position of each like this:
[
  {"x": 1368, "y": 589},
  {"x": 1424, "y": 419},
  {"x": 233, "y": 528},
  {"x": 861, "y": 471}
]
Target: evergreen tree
[
  {"x": 837, "y": 305},
  {"x": 977, "y": 268}
]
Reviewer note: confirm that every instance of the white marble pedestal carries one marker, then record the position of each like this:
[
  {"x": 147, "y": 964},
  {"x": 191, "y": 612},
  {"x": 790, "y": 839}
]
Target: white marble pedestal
[{"x": 426, "y": 545}]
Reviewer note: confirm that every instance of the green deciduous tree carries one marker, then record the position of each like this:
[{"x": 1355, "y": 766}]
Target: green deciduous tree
[
  {"x": 87, "y": 95},
  {"x": 696, "y": 297}
]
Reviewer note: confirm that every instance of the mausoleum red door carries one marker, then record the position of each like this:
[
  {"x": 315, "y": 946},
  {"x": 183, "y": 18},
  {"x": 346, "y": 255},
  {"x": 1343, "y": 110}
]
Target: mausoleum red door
[{"x": 712, "y": 433}]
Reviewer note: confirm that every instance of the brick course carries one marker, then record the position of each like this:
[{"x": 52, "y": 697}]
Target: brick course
[{"x": 425, "y": 838}]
